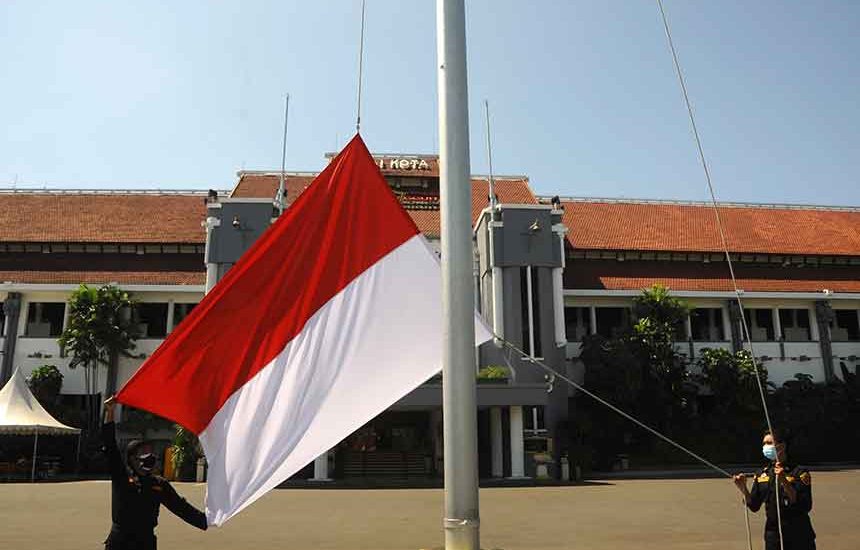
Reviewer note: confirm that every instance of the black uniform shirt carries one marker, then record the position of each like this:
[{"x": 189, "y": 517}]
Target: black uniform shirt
[
  {"x": 135, "y": 500},
  {"x": 795, "y": 516}
]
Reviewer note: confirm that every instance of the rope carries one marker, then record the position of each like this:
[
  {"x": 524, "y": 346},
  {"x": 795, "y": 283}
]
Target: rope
[
  {"x": 746, "y": 334},
  {"x": 609, "y": 405},
  {"x": 360, "y": 69}
]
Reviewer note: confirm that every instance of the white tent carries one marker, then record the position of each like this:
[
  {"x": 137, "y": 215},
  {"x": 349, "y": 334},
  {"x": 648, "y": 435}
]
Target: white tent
[{"x": 22, "y": 414}]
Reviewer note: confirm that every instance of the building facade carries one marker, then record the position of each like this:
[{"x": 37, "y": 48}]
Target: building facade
[{"x": 547, "y": 273}]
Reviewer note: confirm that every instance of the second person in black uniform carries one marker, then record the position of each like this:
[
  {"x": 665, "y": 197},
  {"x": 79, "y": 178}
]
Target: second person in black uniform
[
  {"x": 795, "y": 497},
  {"x": 136, "y": 494}
]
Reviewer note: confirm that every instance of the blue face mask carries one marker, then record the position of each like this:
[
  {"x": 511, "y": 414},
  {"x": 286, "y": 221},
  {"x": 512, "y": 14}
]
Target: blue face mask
[{"x": 769, "y": 452}]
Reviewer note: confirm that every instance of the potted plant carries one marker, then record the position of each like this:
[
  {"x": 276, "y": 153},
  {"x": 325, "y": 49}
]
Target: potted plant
[{"x": 493, "y": 375}]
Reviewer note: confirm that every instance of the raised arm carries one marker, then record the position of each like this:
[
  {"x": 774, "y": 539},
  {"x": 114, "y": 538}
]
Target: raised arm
[
  {"x": 116, "y": 464},
  {"x": 181, "y": 507}
]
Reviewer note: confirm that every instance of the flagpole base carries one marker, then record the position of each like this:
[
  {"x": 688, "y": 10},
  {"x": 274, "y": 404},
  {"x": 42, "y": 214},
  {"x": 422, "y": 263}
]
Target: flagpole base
[{"x": 461, "y": 534}]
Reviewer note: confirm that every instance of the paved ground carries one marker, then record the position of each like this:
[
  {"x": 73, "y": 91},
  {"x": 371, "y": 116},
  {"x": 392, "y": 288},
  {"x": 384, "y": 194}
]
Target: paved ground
[{"x": 652, "y": 514}]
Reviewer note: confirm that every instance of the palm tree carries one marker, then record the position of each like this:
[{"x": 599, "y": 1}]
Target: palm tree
[{"x": 100, "y": 329}]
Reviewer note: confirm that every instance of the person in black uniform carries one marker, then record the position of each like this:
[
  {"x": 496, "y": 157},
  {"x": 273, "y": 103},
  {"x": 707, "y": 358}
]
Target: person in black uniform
[
  {"x": 795, "y": 497},
  {"x": 136, "y": 494}
]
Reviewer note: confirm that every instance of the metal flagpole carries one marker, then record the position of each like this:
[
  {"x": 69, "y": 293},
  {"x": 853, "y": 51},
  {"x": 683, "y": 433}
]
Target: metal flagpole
[
  {"x": 458, "y": 367},
  {"x": 490, "y": 157},
  {"x": 281, "y": 197}
]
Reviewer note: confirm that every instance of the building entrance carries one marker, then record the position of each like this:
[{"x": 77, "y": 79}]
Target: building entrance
[{"x": 395, "y": 444}]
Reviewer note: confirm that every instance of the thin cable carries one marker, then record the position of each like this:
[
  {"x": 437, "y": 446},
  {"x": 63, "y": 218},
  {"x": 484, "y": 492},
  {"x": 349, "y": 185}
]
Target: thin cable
[
  {"x": 704, "y": 162},
  {"x": 490, "y": 156},
  {"x": 747, "y": 518},
  {"x": 360, "y": 69},
  {"x": 609, "y": 405},
  {"x": 605, "y": 403}
]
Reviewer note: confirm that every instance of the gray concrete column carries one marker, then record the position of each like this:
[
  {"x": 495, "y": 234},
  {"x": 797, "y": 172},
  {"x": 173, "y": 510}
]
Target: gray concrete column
[
  {"x": 517, "y": 445},
  {"x": 823, "y": 317},
  {"x": 171, "y": 315},
  {"x": 496, "y": 442},
  {"x": 735, "y": 325},
  {"x": 12, "y": 310},
  {"x": 321, "y": 468}
]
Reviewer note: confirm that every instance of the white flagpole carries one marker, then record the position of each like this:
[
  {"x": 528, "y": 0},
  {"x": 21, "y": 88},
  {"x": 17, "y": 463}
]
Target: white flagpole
[{"x": 458, "y": 375}]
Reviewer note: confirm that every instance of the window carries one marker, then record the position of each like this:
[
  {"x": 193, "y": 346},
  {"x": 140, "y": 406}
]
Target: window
[
  {"x": 760, "y": 323},
  {"x": 707, "y": 324},
  {"x": 152, "y": 319},
  {"x": 45, "y": 319},
  {"x": 180, "y": 312},
  {"x": 533, "y": 420},
  {"x": 611, "y": 321},
  {"x": 537, "y": 350},
  {"x": 2, "y": 320},
  {"x": 577, "y": 323},
  {"x": 795, "y": 325},
  {"x": 845, "y": 326},
  {"x": 530, "y": 308}
]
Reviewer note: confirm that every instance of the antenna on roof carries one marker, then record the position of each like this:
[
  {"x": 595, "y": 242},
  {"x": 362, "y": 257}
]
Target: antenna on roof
[
  {"x": 493, "y": 198},
  {"x": 281, "y": 196}
]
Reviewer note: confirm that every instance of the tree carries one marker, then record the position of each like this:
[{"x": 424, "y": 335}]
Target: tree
[
  {"x": 639, "y": 371},
  {"x": 46, "y": 382},
  {"x": 733, "y": 407},
  {"x": 100, "y": 330}
]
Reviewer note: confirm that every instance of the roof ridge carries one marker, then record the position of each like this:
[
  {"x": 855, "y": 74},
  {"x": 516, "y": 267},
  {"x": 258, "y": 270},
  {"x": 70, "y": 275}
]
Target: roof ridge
[{"x": 727, "y": 204}]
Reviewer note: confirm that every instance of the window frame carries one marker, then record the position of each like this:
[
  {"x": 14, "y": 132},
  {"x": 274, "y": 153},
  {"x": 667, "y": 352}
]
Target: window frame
[{"x": 33, "y": 307}]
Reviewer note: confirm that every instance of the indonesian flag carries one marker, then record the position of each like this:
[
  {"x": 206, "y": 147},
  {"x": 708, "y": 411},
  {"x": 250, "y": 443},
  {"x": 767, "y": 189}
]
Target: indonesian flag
[{"x": 332, "y": 316}]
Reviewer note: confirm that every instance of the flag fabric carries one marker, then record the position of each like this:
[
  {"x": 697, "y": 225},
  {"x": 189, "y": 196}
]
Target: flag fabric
[{"x": 332, "y": 316}]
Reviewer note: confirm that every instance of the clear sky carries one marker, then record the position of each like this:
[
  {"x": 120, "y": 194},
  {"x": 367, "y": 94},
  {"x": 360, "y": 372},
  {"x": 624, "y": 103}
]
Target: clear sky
[{"x": 583, "y": 95}]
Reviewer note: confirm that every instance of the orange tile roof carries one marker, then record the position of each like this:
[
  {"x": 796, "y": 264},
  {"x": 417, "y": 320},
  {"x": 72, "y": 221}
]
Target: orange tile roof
[
  {"x": 691, "y": 276},
  {"x": 266, "y": 185},
  {"x": 101, "y": 218},
  {"x": 509, "y": 191},
  {"x": 104, "y": 277},
  {"x": 619, "y": 225}
]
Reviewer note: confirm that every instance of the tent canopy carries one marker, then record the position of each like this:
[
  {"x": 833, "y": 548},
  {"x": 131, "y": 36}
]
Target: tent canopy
[{"x": 22, "y": 414}]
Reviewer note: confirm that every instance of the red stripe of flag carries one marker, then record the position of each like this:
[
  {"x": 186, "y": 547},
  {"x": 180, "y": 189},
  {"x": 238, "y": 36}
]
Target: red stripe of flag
[{"x": 346, "y": 221}]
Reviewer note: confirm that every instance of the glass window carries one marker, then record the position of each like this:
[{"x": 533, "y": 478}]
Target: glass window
[
  {"x": 152, "y": 319},
  {"x": 760, "y": 323},
  {"x": 533, "y": 419},
  {"x": 611, "y": 321},
  {"x": 180, "y": 312},
  {"x": 536, "y": 313},
  {"x": 707, "y": 324},
  {"x": 530, "y": 324},
  {"x": 845, "y": 326},
  {"x": 577, "y": 323},
  {"x": 795, "y": 325},
  {"x": 45, "y": 319}
]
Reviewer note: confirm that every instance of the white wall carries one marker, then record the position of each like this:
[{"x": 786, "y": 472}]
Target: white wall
[
  {"x": 800, "y": 357},
  {"x": 27, "y": 348}
]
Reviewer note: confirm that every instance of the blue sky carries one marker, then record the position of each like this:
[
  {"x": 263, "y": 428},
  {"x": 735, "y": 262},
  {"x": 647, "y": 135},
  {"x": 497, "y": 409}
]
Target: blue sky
[{"x": 583, "y": 95}]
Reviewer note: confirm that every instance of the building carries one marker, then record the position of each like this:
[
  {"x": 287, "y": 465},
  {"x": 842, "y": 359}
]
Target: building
[
  {"x": 546, "y": 274},
  {"x": 798, "y": 268}
]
